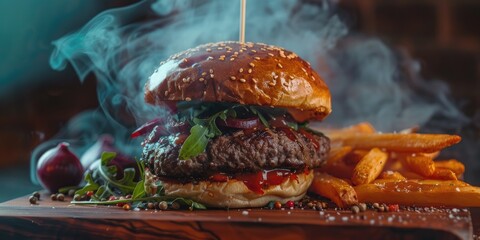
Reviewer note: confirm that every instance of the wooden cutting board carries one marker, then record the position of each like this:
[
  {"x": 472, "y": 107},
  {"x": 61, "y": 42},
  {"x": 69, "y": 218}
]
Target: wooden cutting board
[{"x": 53, "y": 219}]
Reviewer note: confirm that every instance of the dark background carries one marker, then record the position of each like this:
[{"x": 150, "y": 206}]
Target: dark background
[{"x": 36, "y": 102}]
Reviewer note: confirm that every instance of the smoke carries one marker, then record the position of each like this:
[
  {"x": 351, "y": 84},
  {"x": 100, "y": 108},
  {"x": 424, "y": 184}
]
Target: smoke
[{"x": 369, "y": 81}]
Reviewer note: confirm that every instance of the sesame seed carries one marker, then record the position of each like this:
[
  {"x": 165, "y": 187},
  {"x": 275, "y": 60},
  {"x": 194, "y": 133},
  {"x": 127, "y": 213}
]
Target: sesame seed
[
  {"x": 242, "y": 80},
  {"x": 231, "y": 59},
  {"x": 279, "y": 65},
  {"x": 263, "y": 49},
  {"x": 271, "y": 83},
  {"x": 254, "y": 80},
  {"x": 240, "y": 70},
  {"x": 275, "y": 76},
  {"x": 244, "y": 48},
  {"x": 270, "y": 54},
  {"x": 185, "y": 60},
  {"x": 211, "y": 75},
  {"x": 210, "y": 71},
  {"x": 184, "y": 80},
  {"x": 249, "y": 70},
  {"x": 251, "y": 64},
  {"x": 235, "y": 53},
  {"x": 204, "y": 93},
  {"x": 232, "y": 78},
  {"x": 209, "y": 50},
  {"x": 257, "y": 58},
  {"x": 282, "y": 54},
  {"x": 241, "y": 50},
  {"x": 188, "y": 99},
  {"x": 254, "y": 51},
  {"x": 201, "y": 79},
  {"x": 220, "y": 48},
  {"x": 210, "y": 58},
  {"x": 166, "y": 93},
  {"x": 204, "y": 73},
  {"x": 291, "y": 77}
]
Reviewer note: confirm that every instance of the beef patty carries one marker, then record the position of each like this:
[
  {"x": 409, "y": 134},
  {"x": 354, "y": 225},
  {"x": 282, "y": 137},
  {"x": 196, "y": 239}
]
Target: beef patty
[{"x": 236, "y": 152}]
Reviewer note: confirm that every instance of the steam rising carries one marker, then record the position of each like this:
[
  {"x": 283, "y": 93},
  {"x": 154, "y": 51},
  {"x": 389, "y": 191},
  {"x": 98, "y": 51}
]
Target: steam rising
[{"x": 368, "y": 80}]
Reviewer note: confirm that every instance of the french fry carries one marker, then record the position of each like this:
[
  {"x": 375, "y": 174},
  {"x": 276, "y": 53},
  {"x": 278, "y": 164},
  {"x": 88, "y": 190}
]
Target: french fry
[
  {"x": 420, "y": 164},
  {"x": 411, "y": 175},
  {"x": 363, "y": 127},
  {"x": 431, "y": 155},
  {"x": 420, "y": 193},
  {"x": 339, "y": 169},
  {"x": 443, "y": 174},
  {"x": 335, "y": 164},
  {"x": 393, "y": 175},
  {"x": 412, "y": 143},
  {"x": 457, "y": 167},
  {"x": 413, "y": 129},
  {"x": 337, "y": 154},
  {"x": 335, "y": 189},
  {"x": 369, "y": 167},
  {"x": 355, "y": 156}
]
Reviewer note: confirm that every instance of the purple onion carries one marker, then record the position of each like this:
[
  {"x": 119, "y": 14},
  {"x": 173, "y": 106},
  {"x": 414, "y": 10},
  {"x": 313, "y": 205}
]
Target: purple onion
[{"x": 59, "y": 167}]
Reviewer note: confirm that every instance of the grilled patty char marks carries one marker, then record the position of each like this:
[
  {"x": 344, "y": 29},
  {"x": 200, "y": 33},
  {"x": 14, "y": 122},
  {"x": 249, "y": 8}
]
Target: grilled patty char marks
[{"x": 234, "y": 153}]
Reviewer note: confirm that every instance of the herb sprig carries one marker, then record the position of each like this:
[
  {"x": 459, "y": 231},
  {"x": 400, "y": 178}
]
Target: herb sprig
[
  {"x": 205, "y": 129},
  {"x": 102, "y": 181}
]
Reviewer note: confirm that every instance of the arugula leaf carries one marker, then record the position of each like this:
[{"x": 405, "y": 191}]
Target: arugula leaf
[
  {"x": 255, "y": 111},
  {"x": 189, "y": 203},
  {"x": 90, "y": 186},
  {"x": 139, "y": 190},
  {"x": 195, "y": 143}
]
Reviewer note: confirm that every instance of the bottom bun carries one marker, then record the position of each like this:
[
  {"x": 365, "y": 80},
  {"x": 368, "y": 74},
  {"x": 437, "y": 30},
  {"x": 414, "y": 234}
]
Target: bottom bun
[{"x": 235, "y": 194}]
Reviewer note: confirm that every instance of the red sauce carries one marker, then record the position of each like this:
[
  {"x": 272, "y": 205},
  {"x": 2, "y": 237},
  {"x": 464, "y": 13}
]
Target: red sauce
[
  {"x": 310, "y": 137},
  {"x": 261, "y": 180},
  {"x": 288, "y": 131},
  {"x": 219, "y": 177}
]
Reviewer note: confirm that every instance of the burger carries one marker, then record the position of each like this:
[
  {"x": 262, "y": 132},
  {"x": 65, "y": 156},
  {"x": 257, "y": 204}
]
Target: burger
[{"x": 237, "y": 133}]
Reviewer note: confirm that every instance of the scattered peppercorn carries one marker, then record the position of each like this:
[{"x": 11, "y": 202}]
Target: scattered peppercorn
[
  {"x": 53, "y": 197},
  {"x": 319, "y": 206},
  {"x": 393, "y": 208},
  {"x": 77, "y": 197},
  {"x": 381, "y": 208},
  {"x": 375, "y": 205},
  {"x": 277, "y": 205},
  {"x": 150, "y": 205},
  {"x": 128, "y": 196},
  {"x": 362, "y": 207},
  {"x": 60, "y": 197},
  {"x": 36, "y": 194},
  {"x": 271, "y": 204},
  {"x": 174, "y": 205},
  {"x": 32, "y": 199},
  {"x": 157, "y": 205},
  {"x": 71, "y": 192},
  {"x": 310, "y": 205},
  {"x": 290, "y": 204},
  {"x": 112, "y": 198},
  {"x": 355, "y": 209},
  {"x": 163, "y": 205},
  {"x": 126, "y": 207},
  {"x": 89, "y": 193}
]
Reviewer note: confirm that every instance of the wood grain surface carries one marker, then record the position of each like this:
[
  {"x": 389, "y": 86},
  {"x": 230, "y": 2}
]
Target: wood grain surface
[{"x": 52, "y": 219}]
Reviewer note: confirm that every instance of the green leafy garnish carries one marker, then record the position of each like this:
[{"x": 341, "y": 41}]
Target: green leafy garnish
[
  {"x": 256, "y": 111},
  {"x": 104, "y": 183},
  {"x": 201, "y": 132}
]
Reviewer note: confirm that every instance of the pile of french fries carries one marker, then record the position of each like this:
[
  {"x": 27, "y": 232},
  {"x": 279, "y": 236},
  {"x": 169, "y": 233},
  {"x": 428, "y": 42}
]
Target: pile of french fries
[{"x": 393, "y": 168}]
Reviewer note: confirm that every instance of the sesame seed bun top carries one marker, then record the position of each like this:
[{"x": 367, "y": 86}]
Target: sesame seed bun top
[{"x": 245, "y": 73}]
